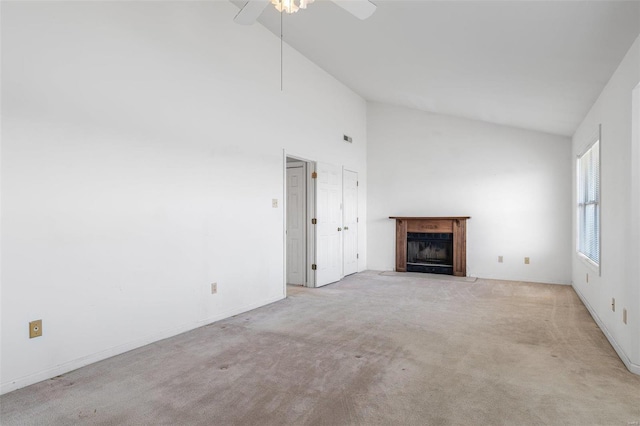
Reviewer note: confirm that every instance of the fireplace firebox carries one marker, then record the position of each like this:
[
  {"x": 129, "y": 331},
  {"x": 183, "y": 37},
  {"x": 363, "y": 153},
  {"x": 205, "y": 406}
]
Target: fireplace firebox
[
  {"x": 432, "y": 244},
  {"x": 430, "y": 252}
]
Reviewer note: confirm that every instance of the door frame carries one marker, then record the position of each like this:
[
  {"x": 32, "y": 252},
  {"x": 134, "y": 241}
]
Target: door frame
[{"x": 310, "y": 280}]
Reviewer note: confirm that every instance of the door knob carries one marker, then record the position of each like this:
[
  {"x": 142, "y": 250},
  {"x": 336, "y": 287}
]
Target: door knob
[
  {"x": 346, "y": 228},
  {"x": 339, "y": 229}
]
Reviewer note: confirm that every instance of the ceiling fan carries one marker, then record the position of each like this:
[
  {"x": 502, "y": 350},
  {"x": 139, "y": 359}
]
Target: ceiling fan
[{"x": 361, "y": 9}]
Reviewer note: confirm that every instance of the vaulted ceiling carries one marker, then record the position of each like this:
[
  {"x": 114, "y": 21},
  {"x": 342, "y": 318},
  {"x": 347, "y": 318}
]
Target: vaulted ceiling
[{"x": 537, "y": 65}]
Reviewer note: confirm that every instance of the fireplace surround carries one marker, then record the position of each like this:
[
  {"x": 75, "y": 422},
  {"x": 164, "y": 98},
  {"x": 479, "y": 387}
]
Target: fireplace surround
[{"x": 432, "y": 244}]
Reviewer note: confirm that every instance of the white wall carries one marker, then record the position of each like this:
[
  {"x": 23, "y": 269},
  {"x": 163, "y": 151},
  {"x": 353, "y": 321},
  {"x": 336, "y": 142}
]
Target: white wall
[
  {"x": 515, "y": 185},
  {"x": 140, "y": 140},
  {"x": 620, "y": 254}
]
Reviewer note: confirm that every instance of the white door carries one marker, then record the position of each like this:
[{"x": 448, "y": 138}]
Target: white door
[
  {"x": 350, "y": 222},
  {"x": 329, "y": 224},
  {"x": 296, "y": 230}
]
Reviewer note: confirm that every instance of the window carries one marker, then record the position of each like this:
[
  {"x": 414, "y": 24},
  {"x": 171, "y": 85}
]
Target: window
[{"x": 589, "y": 203}]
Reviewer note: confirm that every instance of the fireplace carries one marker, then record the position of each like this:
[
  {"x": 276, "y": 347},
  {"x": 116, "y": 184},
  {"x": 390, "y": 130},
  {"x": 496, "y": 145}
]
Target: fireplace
[
  {"x": 430, "y": 252},
  {"x": 432, "y": 244}
]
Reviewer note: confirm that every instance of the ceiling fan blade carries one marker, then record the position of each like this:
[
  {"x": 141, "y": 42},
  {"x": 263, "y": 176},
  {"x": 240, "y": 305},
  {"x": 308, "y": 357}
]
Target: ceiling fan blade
[
  {"x": 250, "y": 12},
  {"x": 361, "y": 9}
]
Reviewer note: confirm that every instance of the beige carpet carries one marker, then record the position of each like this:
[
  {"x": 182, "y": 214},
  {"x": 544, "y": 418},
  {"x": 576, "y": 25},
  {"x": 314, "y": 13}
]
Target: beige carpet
[
  {"x": 437, "y": 277},
  {"x": 370, "y": 350}
]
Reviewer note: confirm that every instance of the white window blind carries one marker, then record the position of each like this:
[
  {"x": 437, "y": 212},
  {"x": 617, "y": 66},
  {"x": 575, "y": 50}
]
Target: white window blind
[{"x": 589, "y": 203}]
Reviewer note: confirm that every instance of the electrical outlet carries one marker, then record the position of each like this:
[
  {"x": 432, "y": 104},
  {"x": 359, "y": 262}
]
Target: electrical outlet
[
  {"x": 499, "y": 259},
  {"x": 624, "y": 315},
  {"x": 35, "y": 329},
  {"x": 214, "y": 288},
  {"x": 613, "y": 304},
  {"x": 274, "y": 203},
  {"x": 526, "y": 260}
]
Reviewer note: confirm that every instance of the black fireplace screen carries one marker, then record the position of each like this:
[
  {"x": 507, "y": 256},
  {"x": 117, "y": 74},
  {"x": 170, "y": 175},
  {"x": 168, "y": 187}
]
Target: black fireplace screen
[{"x": 430, "y": 252}]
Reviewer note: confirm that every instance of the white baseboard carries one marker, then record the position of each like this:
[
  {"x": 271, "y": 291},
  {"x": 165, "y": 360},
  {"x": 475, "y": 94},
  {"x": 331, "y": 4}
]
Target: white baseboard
[
  {"x": 120, "y": 349},
  {"x": 634, "y": 368}
]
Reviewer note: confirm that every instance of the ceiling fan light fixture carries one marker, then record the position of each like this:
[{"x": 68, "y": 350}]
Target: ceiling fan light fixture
[
  {"x": 361, "y": 9},
  {"x": 288, "y": 6},
  {"x": 305, "y": 3}
]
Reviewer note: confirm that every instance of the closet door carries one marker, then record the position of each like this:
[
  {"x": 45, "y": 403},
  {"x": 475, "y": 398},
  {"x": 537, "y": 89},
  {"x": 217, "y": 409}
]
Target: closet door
[
  {"x": 350, "y": 222},
  {"x": 329, "y": 224},
  {"x": 296, "y": 218}
]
